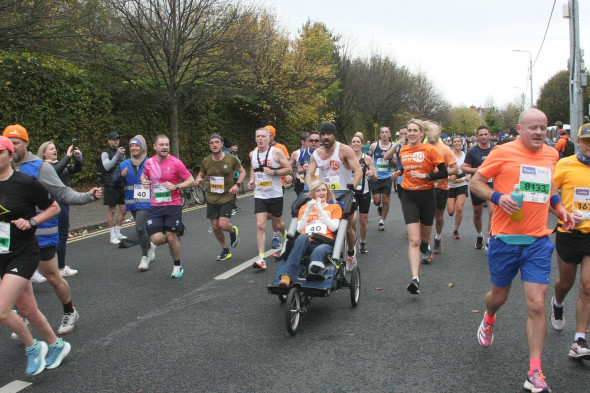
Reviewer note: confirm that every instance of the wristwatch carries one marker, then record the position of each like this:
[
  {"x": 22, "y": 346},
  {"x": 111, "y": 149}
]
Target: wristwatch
[
  {"x": 177, "y": 187},
  {"x": 33, "y": 224},
  {"x": 276, "y": 172}
]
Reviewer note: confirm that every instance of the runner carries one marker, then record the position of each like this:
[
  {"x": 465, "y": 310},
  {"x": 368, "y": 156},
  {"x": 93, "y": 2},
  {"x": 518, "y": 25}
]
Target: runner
[
  {"x": 165, "y": 175},
  {"x": 303, "y": 157},
  {"x": 299, "y": 180},
  {"x": 418, "y": 198},
  {"x": 381, "y": 189},
  {"x": 458, "y": 187},
  {"x": 362, "y": 193},
  {"x": 219, "y": 168},
  {"x": 268, "y": 164},
  {"x": 337, "y": 163},
  {"x": 137, "y": 199},
  {"x": 519, "y": 237},
  {"x": 19, "y": 257},
  {"x": 113, "y": 195},
  {"x": 47, "y": 234},
  {"x": 441, "y": 186},
  {"x": 572, "y": 177},
  {"x": 474, "y": 158},
  {"x": 390, "y": 154}
]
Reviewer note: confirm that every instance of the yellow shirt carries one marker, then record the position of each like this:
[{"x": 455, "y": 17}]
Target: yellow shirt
[{"x": 573, "y": 178}]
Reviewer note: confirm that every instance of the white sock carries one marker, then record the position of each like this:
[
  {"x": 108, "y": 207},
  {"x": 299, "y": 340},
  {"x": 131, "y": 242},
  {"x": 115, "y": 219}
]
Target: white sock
[
  {"x": 557, "y": 304},
  {"x": 415, "y": 278},
  {"x": 276, "y": 234},
  {"x": 112, "y": 232},
  {"x": 117, "y": 229},
  {"x": 437, "y": 236},
  {"x": 580, "y": 335},
  {"x": 152, "y": 246},
  {"x": 480, "y": 234}
]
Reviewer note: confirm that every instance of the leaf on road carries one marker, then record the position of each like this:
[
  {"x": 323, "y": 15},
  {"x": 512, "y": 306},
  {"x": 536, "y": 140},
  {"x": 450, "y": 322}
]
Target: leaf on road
[
  {"x": 474, "y": 311},
  {"x": 377, "y": 289},
  {"x": 450, "y": 284}
]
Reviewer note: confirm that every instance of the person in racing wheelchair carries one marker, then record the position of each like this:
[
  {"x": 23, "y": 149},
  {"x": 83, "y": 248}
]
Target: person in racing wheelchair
[{"x": 317, "y": 223}]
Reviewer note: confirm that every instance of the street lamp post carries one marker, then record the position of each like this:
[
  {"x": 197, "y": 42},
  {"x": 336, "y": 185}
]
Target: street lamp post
[{"x": 530, "y": 70}]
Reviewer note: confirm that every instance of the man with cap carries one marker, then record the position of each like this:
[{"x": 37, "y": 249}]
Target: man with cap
[
  {"x": 564, "y": 141},
  {"x": 47, "y": 234},
  {"x": 572, "y": 177},
  {"x": 219, "y": 168},
  {"x": 113, "y": 194},
  {"x": 336, "y": 163}
]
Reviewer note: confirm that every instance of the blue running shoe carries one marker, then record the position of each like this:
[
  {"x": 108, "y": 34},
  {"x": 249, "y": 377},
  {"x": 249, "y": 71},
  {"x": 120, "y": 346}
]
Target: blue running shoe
[
  {"x": 275, "y": 242},
  {"x": 57, "y": 353},
  {"x": 36, "y": 357},
  {"x": 177, "y": 272}
]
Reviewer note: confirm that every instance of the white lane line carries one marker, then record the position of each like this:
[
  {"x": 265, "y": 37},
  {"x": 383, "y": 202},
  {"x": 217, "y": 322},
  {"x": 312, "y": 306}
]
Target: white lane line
[
  {"x": 241, "y": 267},
  {"x": 15, "y": 386}
]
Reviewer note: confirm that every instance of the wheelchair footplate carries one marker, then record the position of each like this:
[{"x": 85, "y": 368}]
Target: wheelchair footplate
[{"x": 310, "y": 284}]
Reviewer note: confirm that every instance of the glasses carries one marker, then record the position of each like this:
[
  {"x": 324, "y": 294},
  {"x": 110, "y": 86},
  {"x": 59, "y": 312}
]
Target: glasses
[{"x": 314, "y": 140}]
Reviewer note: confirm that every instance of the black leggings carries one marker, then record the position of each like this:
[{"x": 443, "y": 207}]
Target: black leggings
[
  {"x": 419, "y": 206},
  {"x": 140, "y": 217}
]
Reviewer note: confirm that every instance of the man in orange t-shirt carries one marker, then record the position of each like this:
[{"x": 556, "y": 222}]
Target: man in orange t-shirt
[{"x": 521, "y": 245}]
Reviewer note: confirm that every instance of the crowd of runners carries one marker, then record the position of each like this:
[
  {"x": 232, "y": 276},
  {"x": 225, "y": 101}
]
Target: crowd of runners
[{"x": 520, "y": 181}]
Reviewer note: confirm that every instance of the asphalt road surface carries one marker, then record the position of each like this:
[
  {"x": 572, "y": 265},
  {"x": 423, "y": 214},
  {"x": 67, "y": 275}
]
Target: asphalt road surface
[{"x": 147, "y": 332}]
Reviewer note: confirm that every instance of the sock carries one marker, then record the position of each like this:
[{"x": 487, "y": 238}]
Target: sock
[
  {"x": 117, "y": 229},
  {"x": 488, "y": 319},
  {"x": 112, "y": 232},
  {"x": 68, "y": 308},
  {"x": 437, "y": 236},
  {"x": 423, "y": 246},
  {"x": 350, "y": 253},
  {"x": 415, "y": 278},
  {"x": 275, "y": 234},
  {"x": 557, "y": 304},
  {"x": 55, "y": 344},
  {"x": 32, "y": 346},
  {"x": 381, "y": 222},
  {"x": 535, "y": 364},
  {"x": 480, "y": 234},
  {"x": 261, "y": 255},
  {"x": 226, "y": 249},
  {"x": 177, "y": 263},
  {"x": 580, "y": 335}
]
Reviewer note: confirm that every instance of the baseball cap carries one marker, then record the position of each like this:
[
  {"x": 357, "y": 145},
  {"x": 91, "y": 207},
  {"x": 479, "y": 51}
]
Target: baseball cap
[
  {"x": 215, "y": 136},
  {"x": 113, "y": 135},
  {"x": 272, "y": 130},
  {"x": 16, "y": 131},
  {"x": 6, "y": 144},
  {"x": 327, "y": 128},
  {"x": 584, "y": 131},
  {"x": 562, "y": 131}
]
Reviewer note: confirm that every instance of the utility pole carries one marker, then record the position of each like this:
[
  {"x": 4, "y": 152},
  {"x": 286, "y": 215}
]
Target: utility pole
[{"x": 578, "y": 79}]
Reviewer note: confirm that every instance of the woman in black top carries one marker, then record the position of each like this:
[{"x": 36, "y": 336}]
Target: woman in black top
[{"x": 19, "y": 257}]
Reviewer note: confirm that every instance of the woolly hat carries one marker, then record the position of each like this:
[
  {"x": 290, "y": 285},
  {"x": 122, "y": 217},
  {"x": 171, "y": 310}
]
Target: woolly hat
[
  {"x": 327, "y": 128},
  {"x": 16, "y": 131},
  {"x": 272, "y": 130},
  {"x": 139, "y": 141}
]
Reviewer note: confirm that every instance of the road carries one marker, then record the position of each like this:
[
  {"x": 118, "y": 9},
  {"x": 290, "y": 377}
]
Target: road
[{"x": 146, "y": 332}]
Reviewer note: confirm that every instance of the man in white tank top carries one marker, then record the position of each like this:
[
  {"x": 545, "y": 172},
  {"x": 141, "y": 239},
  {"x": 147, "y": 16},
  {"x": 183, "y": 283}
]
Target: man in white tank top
[
  {"x": 268, "y": 164},
  {"x": 336, "y": 163}
]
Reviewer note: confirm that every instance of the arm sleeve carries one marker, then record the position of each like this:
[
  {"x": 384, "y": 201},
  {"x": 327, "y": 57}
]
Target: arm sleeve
[
  {"x": 441, "y": 174},
  {"x": 48, "y": 177},
  {"x": 303, "y": 220},
  {"x": 109, "y": 164}
]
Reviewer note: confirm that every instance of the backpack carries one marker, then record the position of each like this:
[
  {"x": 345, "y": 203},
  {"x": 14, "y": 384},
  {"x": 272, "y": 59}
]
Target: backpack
[{"x": 569, "y": 149}]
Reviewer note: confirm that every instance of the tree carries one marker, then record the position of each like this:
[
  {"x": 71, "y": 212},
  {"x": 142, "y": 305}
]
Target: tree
[
  {"x": 425, "y": 101},
  {"x": 494, "y": 120},
  {"x": 554, "y": 99},
  {"x": 463, "y": 121}
]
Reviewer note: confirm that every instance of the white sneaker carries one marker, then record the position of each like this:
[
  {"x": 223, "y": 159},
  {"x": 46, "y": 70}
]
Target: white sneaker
[
  {"x": 144, "y": 264},
  {"x": 151, "y": 254},
  {"x": 351, "y": 262},
  {"x": 38, "y": 278},
  {"x": 68, "y": 322},
  {"x": 120, "y": 236},
  {"x": 114, "y": 240},
  {"x": 68, "y": 271}
]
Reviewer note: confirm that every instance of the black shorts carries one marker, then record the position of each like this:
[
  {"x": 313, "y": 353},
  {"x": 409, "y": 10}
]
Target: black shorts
[
  {"x": 441, "y": 198},
  {"x": 419, "y": 206},
  {"x": 22, "y": 261},
  {"x": 399, "y": 190},
  {"x": 475, "y": 201},
  {"x": 298, "y": 186},
  {"x": 113, "y": 196},
  {"x": 220, "y": 210},
  {"x": 273, "y": 206},
  {"x": 47, "y": 253},
  {"x": 572, "y": 247},
  {"x": 364, "y": 202},
  {"x": 166, "y": 218},
  {"x": 382, "y": 186},
  {"x": 456, "y": 191}
]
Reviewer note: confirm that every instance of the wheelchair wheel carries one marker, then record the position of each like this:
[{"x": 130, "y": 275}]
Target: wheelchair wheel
[
  {"x": 293, "y": 311},
  {"x": 355, "y": 286},
  {"x": 199, "y": 195}
]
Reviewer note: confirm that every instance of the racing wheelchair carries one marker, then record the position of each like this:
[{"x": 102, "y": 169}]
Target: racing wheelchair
[{"x": 317, "y": 279}]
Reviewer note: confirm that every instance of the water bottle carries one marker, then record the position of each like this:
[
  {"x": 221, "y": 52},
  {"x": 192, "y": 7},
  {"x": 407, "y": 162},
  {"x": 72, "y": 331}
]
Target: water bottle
[{"x": 517, "y": 197}]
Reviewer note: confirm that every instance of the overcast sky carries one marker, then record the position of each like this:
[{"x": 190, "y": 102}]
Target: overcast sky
[{"x": 464, "y": 46}]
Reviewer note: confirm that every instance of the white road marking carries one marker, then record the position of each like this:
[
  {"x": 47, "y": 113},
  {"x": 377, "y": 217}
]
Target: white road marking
[
  {"x": 15, "y": 386},
  {"x": 243, "y": 266}
]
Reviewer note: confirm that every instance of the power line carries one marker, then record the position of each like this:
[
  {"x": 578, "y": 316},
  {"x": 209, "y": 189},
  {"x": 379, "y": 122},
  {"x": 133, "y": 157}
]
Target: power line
[{"x": 546, "y": 29}]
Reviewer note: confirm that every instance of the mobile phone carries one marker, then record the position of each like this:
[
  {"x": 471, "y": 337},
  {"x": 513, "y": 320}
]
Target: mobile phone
[{"x": 74, "y": 143}]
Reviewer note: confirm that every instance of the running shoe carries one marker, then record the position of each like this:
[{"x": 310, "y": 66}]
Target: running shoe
[
  {"x": 351, "y": 262},
  {"x": 259, "y": 264},
  {"x": 557, "y": 319},
  {"x": 363, "y": 249},
  {"x": 38, "y": 278},
  {"x": 438, "y": 246},
  {"x": 535, "y": 382},
  {"x": 120, "y": 236},
  {"x": 225, "y": 255},
  {"x": 487, "y": 244},
  {"x": 114, "y": 240},
  {"x": 485, "y": 333},
  {"x": 426, "y": 257},
  {"x": 233, "y": 212},
  {"x": 235, "y": 237},
  {"x": 36, "y": 357},
  {"x": 177, "y": 271},
  {"x": 456, "y": 235},
  {"x": 285, "y": 281},
  {"x": 580, "y": 349},
  {"x": 380, "y": 210},
  {"x": 414, "y": 287},
  {"x": 381, "y": 227},
  {"x": 275, "y": 242},
  {"x": 479, "y": 242},
  {"x": 144, "y": 264},
  {"x": 68, "y": 322},
  {"x": 67, "y": 271},
  {"x": 151, "y": 254},
  {"x": 57, "y": 353}
]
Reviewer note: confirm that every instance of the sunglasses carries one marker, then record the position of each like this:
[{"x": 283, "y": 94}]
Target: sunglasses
[{"x": 314, "y": 140}]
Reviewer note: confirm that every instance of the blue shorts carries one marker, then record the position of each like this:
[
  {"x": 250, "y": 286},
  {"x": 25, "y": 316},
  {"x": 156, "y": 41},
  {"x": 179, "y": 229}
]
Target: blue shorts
[
  {"x": 166, "y": 218},
  {"x": 534, "y": 261}
]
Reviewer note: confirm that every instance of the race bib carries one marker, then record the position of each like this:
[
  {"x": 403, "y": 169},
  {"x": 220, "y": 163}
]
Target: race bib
[
  {"x": 360, "y": 186},
  {"x": 316, "y": 175},
  {"x": 263, "y": 181},
  {"x": 535, "y": 183},
  {"x": 333, "y": 182},
  {"x": 139, "y": 192},
  {"x": 459, "y": 181},
  {"x": 4, "y": 237},
  {"x": 316, "y": 227},
  {"x": 216, "y": 184},
  {"x": 161, "y": 194},
  {"x": 581, "y": 202},
  {"x": 382, "y": 165}
]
